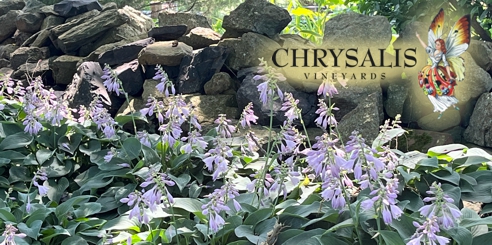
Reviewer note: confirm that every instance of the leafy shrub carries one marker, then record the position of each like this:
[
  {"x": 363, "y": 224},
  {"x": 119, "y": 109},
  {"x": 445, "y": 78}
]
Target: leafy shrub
[{"x": 83, "y": 180}]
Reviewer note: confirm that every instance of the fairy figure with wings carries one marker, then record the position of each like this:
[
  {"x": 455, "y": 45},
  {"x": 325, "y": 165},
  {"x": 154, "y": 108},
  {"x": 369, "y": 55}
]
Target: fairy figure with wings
[{"x": 445, "y": 66}]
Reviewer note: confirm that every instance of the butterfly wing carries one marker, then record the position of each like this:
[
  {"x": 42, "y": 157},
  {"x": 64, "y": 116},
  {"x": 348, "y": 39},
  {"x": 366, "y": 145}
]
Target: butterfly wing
[
  {"x": 459, "y": 37},
  {"x": 457, "y": 42},
  {"x": 435, "y": 29}
]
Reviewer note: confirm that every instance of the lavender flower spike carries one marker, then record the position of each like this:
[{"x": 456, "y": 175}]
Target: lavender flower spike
[
  {"x": 111, "y": 80},
  {"x": 10, "y": 233}
]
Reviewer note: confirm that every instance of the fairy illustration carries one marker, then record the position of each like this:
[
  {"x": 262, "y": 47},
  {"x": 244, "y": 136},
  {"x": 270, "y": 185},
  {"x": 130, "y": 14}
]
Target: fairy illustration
[{"x": 445, "y": 66}]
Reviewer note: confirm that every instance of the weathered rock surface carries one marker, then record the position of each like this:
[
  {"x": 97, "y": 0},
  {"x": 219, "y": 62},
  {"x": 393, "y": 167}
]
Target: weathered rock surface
[
  {"x": 88, "y": 31},
  {"x": 7, "y": 50},
  {"x": 29, "y": 55},
  {"x": 167, "y": 33},
  {"x": 245, "y": 52},
  {"x": 7, "y": 5},
  {"x": 395, "y": 99},
  {"x": 86, "y": 85},
  {"x": 480, "y": 129},
  {"x": 364, "y": 119},
  {"x": 164, "y": 53},
  {"x": 29, "y": 22},
  {"x": 64, "y": 67},
  {"x": 261, "y": 17},
  {"x": 131, "y": 76},
  {"x": 200, "y": 37},
  {"x": 8, "y": 26},
  {"x": 69, "y": 8},
  {"x": 188, "y": 19},
  {"x": 40, "y": 68},
  {"x": 349, "y": 29},
  {"x": 198, "y": 68},
  {"x": 52, "y": 20},
  {"x": 219, "y": 84},
  {"x": 481, "y": 51},
  {"x": 422, "y": 140},
  {"x": 123, "y": 54}
]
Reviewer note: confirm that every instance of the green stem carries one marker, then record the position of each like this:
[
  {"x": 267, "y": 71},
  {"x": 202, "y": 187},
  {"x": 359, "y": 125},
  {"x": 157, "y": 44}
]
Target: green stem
[
  {"x": 305, "y": 131},
  {"x": 132, "y": 111},
  {"x": 378, "y": 222},
  {"x": 174, "y": 220},
  {"x": 269, "y": 151},
  {"x": 352, "y": 213}
]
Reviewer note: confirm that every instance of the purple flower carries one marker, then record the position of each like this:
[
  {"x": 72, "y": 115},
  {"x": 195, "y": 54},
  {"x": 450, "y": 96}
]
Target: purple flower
[
  {"x": 292, "y": 112},
  {"x": 248, "y": 116},
  {"x": 427, "y": 233},
  {"x": 143, "y": 137},
  {"x": 101, "y": 117},
  {"x": 40, "y": 175},
  {"x": 442, "y": 207},
  {"x": 165, "y": 83},
  {"x": 111, "y": 80},
  {"x": 216, "y": 159},
  {"x": 135, "y": 199},
  {"x": 32, "y": 125},
  {"x": 194, "y": 139},
  {"x": 6, "y": 85},
  {"x": 327, "y": 88},
  {"x": 326, "y": 117},
  {"x": 9, "y": 235},
  {"x": 384, "y": 200},
  {"x": 223, "y": 128},
  {"x": 217, "y": 204}
]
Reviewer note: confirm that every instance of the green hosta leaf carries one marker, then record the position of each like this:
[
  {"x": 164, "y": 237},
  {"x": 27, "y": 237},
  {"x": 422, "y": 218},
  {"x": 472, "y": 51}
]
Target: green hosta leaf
[
  {"x": 32, "y": 231},
  {"x": 90, "y": 147},
  {"x": 191, "y": 205},
  {"x": 56, "y": 189},
  {"x": 70, "y": 144},
  {"x": 55, "y": 168},
  {"x": 477, "y": 230},
  {"x": 482, "y": 190},
  {"x": 415, "y": 200},
  {"x": 428, "y": 162},
  {"x": 408, "y": 176},
  {"x": 470, "y": 161},
  {"x": 344, "y": 224},
  {"x": 451, "y": 177},
  {"x": 122, "y": 223},
  {"x": 42, "y": 155},
  {"x": 391, "y": 237},
  {"x": 304, "y": 236},
  {"x": 482, "y": 239},
  {"x": 181, "y": 181},
  {"x": 12, "y": 155},
  {"x": 461, "y": 235},
  {"x": 303, "y": 210},
  {"x": 74, "y": 240},
  {"x": 123, "y": 119},
  {"x": 248, "y": 232},
  {"x": 62, "y": 210},
  {"x": 51, "y": 233},
  {"x": 15, "y": 141},
  {"x": 10, "y": 128},
  {"x": 4, "y": 161},
  {"x": 404, "y": 226},
  {"x": 6, "y": 215},
  {"x": 258, "y": 216},
  {"x": 87, "y": 209},
  {"x": 18, "y": 174},
  {"x": 443, "y": 149},
  {"x": 326, "y": 239},
  {"x": 178, "y": 161},
  {"x": 39, "y": 214},
  {"x": 150, "y": 155},
  {"x": 132, "y": 147}
]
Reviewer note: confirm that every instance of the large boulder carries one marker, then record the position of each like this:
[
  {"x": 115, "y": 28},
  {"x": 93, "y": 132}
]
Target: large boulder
[
  {"x": 131, "y": 77},
  {"x": 69, "y": 8},
  {"x": 357, "y": 31},
  {"x": 8, "y": 25},
  {"x": 29, "y": 22},
  {"x": 364, "y": 119},
  {"x": 246, "y": 51},
  {"x": 28, "y": 55},
  {"x": 165, "y": 53},
  {"x": 480, "y": 129},
  {"x": 396, "y": 94},
  {"x": 124, "y": 54},
  {"x": 220, "y": 83},
  {"x": 257, "y": 16},
  {"x": 86, "y": 85},
  {"x": 52, "y": 20},
  {"x": 64, "y": 67},
  {"x": 199, "y": 67},
  {"x": 167, "y": 33},
  {"x": 28, "y": 70},
  {"x": 481, "y": 51},
  {"x": 188, "y": 19},
  {"x": 7, "y": 5},
  {"x": 86, "y": 32},
  {"x": 200, "y": 37}
]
